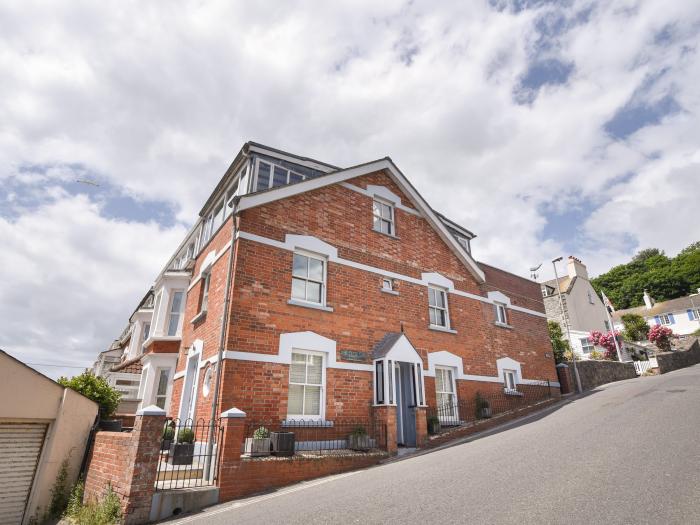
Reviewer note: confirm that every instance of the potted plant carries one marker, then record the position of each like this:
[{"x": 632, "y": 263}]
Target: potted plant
[
  {"x": 182, "y": 452},
  {"x": 358, "y": 439},
  {"x": 434, "y": 424},
  {"x": 167, "y": 438},
  {"x": 259, "y": 444},
  {"x": 282, "y": 443},
  {"x": 98, "y": 390},
  {"x": 483, "y": 409}
]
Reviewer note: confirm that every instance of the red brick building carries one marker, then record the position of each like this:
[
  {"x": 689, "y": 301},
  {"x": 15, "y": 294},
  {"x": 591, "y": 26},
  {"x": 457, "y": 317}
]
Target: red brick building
[{"x": 349, "y": 297}]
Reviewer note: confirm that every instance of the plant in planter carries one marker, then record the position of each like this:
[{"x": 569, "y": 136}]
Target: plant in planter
[
  {"x": 359, "y": 440},
  {"x": 167, "y": 438},
  {"x": 434, "y": 425},
  {"x": 282, "y": 443},
  {"x": 483, "y": 408},
  {"x": 98, "y": 390},
  {"x": 182, "y": 452},
  {"x": 259, "y": 444}
]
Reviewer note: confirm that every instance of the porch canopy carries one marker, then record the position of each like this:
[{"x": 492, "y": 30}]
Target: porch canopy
[{"x": 396, "y": 348}]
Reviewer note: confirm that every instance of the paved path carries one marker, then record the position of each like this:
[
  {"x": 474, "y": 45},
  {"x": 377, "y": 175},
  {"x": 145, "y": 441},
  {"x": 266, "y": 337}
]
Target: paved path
[{"x": 627, "y": 453}]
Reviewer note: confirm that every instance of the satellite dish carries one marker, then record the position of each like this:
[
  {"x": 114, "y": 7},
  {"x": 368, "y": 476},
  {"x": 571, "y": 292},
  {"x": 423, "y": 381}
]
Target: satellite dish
[
  {"x": 533, "y": 271},
  {"x": 535, "y": 268}
]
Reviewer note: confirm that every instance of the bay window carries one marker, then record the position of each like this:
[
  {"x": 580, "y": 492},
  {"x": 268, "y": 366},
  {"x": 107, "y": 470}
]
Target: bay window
[{"x": 175, "y": 312}]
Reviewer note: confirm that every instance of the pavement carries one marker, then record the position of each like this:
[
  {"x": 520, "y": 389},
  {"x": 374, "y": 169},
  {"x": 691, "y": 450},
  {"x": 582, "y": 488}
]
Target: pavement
[{"x": 627, "y": 452}]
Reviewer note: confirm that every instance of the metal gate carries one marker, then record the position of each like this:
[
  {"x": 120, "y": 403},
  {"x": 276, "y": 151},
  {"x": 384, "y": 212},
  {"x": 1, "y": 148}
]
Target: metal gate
[
  {"x": 188, "y": 454},
  {"x": 20, "y": 448}
]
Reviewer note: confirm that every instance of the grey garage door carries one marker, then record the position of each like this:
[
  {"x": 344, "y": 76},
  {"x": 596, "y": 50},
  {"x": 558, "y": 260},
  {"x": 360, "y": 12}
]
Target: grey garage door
[{"x": 20, "y": 447}]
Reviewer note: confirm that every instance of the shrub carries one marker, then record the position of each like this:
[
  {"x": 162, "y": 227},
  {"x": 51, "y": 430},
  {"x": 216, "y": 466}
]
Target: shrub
[
  {"x": 607, "y": 341},
  {"x": 661, "y": 337},
  {"x": 636, "y": 328},
  {"x": 95, "y": 388},
  {"x": 106, "y": 512},
  {"x": 168, "y": 433},
  {"x": 60, "y": 493},
  {"x": 559, "y": 345},
  {"x": 359, "y": 431},
  {"x": 596, "y": 355},
  {"x": 261, "y": 433},
  {"x": 186, "y": 435}
]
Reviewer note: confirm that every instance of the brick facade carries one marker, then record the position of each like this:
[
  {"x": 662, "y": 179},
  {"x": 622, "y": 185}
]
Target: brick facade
[{"x": 261, "y": 288}]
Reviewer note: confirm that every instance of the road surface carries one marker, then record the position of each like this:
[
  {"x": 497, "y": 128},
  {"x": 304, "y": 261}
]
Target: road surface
[{"x": 626, "y": 453}]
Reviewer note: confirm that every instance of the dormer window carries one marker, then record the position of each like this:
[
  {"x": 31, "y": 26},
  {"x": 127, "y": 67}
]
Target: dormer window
[{"x": 383, "y": 217}]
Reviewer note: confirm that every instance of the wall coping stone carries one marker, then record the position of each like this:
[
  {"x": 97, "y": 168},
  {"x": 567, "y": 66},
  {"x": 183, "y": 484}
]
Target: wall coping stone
[
  {"x": 233, "y": 412},
  {"x": 152, "y": 410}
]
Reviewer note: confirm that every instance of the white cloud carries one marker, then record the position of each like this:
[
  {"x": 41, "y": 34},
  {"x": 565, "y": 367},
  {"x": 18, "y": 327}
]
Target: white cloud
[{"x": 157, "y": 98}]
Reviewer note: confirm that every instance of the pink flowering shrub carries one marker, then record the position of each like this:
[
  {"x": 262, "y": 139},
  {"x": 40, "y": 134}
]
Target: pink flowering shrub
[
  {"x": 606, "y": 341},
  {"x": 661, "y": 337}
]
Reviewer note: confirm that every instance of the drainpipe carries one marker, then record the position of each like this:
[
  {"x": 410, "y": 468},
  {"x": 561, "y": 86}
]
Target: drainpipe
[{"x": 222, "y": 341}]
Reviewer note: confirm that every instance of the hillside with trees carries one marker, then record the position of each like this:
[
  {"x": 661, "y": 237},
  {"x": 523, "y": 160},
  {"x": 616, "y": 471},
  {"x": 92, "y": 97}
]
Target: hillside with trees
[{"x": 651, "y": 269}]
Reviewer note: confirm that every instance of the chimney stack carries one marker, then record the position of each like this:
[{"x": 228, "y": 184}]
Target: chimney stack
[
  {"x": 648, "y": 301},
  {"x": 576, "y": 268}
]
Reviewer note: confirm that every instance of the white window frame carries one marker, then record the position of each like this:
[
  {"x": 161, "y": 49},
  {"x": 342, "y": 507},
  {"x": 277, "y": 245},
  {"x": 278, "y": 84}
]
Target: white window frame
[
  {"x": 322, "y": 402},
  {"x": 388, "y": 284},
  {"x": 696, "y": 314},
  {"x": 204, "y": 294},
  {"x": 159, "y": 372},
  {"x": 272, "y": 174},
  {"x": 443, "y": 415},
  {"x": 446, "y": 309},
  {"x": 667, "y": 319},
  {"x": 510, "y": 380},
  {"x": 501, "y": 314},
  {"x": 586, "y": 344},
  {"x": 324, "y": 262},
  {"x": 391, "y": 221},
  {"x": 180, "y": 313}
]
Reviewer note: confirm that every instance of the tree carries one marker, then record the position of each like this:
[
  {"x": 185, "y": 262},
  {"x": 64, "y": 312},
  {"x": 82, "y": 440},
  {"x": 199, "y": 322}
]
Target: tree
[
  {"x": 651, "y": 269},
  {"x": 559, "y": 345},
  {"x": 636, "y": 328},
  {"x": 95, "y": 388}
]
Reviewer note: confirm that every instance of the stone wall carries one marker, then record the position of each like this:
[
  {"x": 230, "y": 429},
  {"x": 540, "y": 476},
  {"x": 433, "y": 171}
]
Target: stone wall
[
  {"x": 596, "y": 373},
  {"x": 669, "y": 361}
]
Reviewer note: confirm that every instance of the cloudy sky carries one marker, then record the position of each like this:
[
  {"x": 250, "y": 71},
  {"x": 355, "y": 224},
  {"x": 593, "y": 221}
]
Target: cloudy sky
[{"x": 548, "y": 128}]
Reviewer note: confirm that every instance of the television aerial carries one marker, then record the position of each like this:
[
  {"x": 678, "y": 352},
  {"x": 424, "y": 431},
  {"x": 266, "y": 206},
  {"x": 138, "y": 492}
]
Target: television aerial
[{"x": 533, "y": 271}]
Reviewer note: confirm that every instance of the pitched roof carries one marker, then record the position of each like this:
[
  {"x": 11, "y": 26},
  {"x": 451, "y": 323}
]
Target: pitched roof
[
  {"x": 681, "y": 304},
  {"x": 387, "y": 165},
  {"x": 130, "y": 366},
  {"x": 565, "y": 283},
  {"x": 383, "y": 347}
]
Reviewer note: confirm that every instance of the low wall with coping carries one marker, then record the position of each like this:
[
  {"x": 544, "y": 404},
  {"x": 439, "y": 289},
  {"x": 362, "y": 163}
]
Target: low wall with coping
[
  {"x": 595, "y": 373},
  {"x": 669, "y": 361},
  {"x": 127, "y": 462}
]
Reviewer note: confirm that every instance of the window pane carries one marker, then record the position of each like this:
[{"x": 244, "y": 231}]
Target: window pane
[
  {"x": 433, "y": 317},
  {"x": 314, "y": 370},
  {"x": 315, "y": 269},
  {"x": 160, "y": 402},
  {"x": 146, "y": 330},
  {"x": 439, "y": 380},
  {"x": 386, "y": 227},
  {"x": 297, "y": 370},
  {"x": 312, "y": 401},
  {"x": 440, "y": 298},
  {"x": 163, "y": 382},
  {"x": 377, "y": 224},
  {"x": 376, "y": 208},
  {"x": 300, "y": 265},
  {"x": 173, "y": 324},
  {"x": 263, "y": 176},
  {"x": 431, "y": 297},
  {"x": 386, "y": 211},
  {"x": 280, "y": 176},
  {"x": 296, "y": 399},
  {"x": 440, "y": 318},
  {"x": 299, "y": 289},
  {"x": 313, "y": 292},
  {"x": 177, "y": 302},
  {"x": 295, "y": 177}
]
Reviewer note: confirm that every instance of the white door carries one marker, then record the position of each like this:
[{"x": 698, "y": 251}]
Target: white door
[
  {"x": 20, "y": 447},
  {"x": 189, "y": 391}
]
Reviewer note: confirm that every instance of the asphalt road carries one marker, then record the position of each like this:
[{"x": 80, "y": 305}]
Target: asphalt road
[{"x": 627, "y": 453}]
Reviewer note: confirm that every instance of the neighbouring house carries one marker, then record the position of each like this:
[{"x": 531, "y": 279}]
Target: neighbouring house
[
  {"x": 583, "y": 308},
  {"x": 42, "y": 424},
  {"x": 682, "y": 315}
]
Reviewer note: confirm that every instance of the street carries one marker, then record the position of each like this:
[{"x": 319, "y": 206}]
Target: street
[{"x": 626, "y": 453}]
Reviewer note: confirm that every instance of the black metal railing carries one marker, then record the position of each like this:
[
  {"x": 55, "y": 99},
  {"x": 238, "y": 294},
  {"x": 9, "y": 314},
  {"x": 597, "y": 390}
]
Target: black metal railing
[
  {"x": 303, "y": 438},
  {"x": 188, "y": 454},
  {"x": 484, "y": 405}
]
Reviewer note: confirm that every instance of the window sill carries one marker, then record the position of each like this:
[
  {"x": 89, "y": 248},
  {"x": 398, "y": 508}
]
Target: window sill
[
  {"x": 199, "y": 317},
  {"x": 390, "y": 235},
  {"x": 442, "y": 329},
  {"x": 390, "y": 292},
  {"x": 510, "y": 392},
  {"x": 503, "y": 325},
  {"x": 313, "y": 423},
  {"x": 313, "y": 306}
]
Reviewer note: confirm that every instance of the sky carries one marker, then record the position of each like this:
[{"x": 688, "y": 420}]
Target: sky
[{"x": 547, "y": 128}]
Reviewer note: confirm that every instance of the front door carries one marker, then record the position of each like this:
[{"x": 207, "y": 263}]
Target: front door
[
  {"x": 405, "y": 405},
  {"x": 189, "y": 389}
]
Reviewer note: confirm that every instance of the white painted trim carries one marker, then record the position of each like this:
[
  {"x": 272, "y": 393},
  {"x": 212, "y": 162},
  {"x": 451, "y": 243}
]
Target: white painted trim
[
  {"x": 233, "y": 413},
  {"x": 506, "y": 363},
  {"x": 295, "y": 160},
  {"x": 395, "y": 199},
  {"x": 439, "y": 280},
  {"x": 385, "y": 273},
  {"x": 151, "y": 410},
  {"x": 499, "y": 297},
  {"x": 283, "y": 192}
]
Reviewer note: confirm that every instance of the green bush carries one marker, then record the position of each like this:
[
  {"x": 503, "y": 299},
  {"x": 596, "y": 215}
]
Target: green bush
[
  {"x": 186, "y": 435},
  {"x": 261, "y": 433},
  {"x": 358, "y": 431},
  {"x": 168, "y": 433},
  {"x": 95, "y": 388},
  {"x": 106, "y": 512}
]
